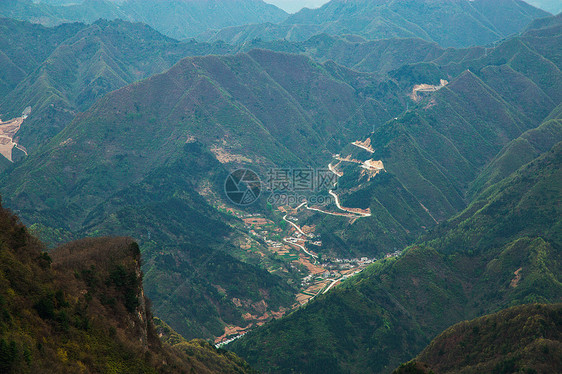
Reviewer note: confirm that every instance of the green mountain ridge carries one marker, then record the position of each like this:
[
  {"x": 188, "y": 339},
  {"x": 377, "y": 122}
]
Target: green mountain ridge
[
  {"x": 433, "y": 153},
  {"x": 225, "y": 79},
  {"x": 519, "y": 152},
  {"x": 130, "y": 139},
  {"x": 264, "y": 111},
  {"x": 458, "y": 23},
  {"x": 366, "y": 56},
  {"x": 520, "y": 339},
  {"x": 95, "y": 60},
  {"x": 24, "y": 47}
]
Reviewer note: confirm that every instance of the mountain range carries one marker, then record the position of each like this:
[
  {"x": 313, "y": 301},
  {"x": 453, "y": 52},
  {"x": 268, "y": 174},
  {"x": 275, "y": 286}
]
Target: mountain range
[
  {"x": 304, "y": 113},
  {"x": 79, "y": 65},
  {"x": 180, "y": 19},
  {"x": 440, "y": 122},
  {"x": 450, "y": 23},
  {"x": 433, "y": 153},
  {"x": 110, "y": 61},
  {"x": 179, "y": 133}
]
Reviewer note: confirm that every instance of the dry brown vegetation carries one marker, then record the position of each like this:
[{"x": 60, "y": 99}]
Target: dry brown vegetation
[{"x": 82, "y": 309}]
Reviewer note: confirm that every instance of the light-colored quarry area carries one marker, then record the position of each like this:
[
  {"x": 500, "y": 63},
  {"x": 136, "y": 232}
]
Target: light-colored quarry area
[
  {"x": 8, "y": 131},
  {"x": 420, "y": 89}
]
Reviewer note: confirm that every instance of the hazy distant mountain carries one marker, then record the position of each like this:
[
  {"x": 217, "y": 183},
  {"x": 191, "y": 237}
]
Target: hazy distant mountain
[
  {"x": 450, "y": 23},
  {"x": 552, "y": 6},
  {"x": 182, "y": 19},
  {"x": 179, "y": 19},
  {"x": 358, "y": 54}
]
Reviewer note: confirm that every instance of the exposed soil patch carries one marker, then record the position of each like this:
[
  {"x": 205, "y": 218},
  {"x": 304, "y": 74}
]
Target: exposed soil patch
[
  {"x": 515, "y": 281},
  {"x": 366, "y": 145},
  {"x": 225, "y": 157},
  {"x": 426, "y": 88}
]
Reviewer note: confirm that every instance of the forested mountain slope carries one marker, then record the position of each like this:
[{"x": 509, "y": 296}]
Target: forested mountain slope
[
  {"x": 523, "y": 338},
  {"x": 433, "y": 153},
  {"x": 503, "y": 250},
  {"x": 23, "y": 47},
  {"x": 356, "y": 53},
  {"x": 180, "y": 19},
  {"x": 82, "y": 308},
  {"x": 160, "y": 144},
  {"x": 71, "y": 66},
  {"x": 521, "y": 151},
  {"x": 278, "y": 116},
  {"x": 149, "y": 159}
]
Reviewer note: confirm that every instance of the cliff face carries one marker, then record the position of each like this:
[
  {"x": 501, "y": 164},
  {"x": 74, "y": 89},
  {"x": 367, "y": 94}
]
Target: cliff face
[
  {"x": 82, "y": 308},
  {"x": 107, "y": 272}
]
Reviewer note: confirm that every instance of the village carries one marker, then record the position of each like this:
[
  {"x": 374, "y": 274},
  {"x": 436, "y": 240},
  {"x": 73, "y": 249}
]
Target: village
[
  {"x": 299, "y": 246},
  {"x": 297, "y": 243}
]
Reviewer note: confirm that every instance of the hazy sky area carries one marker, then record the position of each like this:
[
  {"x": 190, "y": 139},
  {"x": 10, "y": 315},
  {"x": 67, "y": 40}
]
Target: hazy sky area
[
  {"x": 553, "y": 6},
  {"x": 293, "y": 6}
]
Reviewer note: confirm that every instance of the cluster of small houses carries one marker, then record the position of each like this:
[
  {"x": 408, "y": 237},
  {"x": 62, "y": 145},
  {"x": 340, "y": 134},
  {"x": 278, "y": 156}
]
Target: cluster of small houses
[
  {"x": 335, "y": 264},
  {"x": 273, "y": 243},
  {"x": 225, "y": 342},
  {"x": 331, "y": 265},
  {"x": 259, "y": 236},
  {"x": 328, "y": 274}
]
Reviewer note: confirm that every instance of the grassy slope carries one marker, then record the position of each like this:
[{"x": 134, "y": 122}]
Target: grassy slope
[
  {"x": 519, "y": 152},
  {"x": 519, "y": 339},
  {"x": 84, "y": 311},
  {"x": 461, "y": 270}
]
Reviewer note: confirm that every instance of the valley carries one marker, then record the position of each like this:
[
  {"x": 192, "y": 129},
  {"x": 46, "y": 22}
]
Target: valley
[
  {"x": 219, "y": 186},
  {"x": 294, "y": 246}
]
